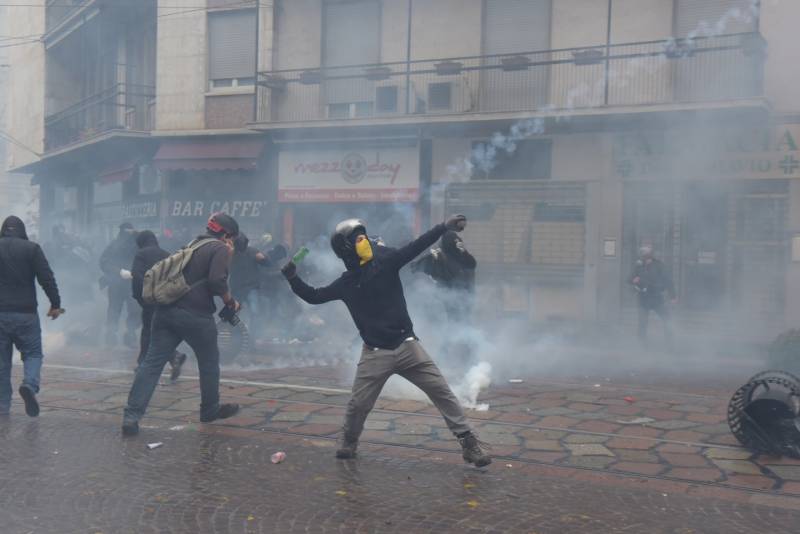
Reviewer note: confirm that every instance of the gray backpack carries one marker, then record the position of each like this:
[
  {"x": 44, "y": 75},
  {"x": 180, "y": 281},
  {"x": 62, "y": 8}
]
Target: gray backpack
[{"x": 164, "y": 282}]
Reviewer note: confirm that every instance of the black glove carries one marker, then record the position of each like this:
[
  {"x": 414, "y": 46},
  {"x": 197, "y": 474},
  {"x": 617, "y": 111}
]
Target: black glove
[
  {"x": 456, "y": 223},
  {"x": 289, "y": 270}
]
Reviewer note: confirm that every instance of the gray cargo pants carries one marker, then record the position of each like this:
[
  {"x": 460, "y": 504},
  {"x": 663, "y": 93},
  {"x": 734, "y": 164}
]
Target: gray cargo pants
[{"x": 410, "y": 361}]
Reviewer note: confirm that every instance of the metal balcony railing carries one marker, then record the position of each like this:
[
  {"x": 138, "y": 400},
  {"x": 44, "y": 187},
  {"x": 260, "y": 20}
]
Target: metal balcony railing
[
  {"x": 120, "y": 107},
  {"x": 643, "y": 73},
  {"x": 58, "y": 11}
]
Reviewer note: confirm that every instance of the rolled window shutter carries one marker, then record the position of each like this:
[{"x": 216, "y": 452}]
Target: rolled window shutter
[
  {"x": 691, "y": 13},
  {"x": 514, "y": 26},
  {"x": 232, "y": 44}
]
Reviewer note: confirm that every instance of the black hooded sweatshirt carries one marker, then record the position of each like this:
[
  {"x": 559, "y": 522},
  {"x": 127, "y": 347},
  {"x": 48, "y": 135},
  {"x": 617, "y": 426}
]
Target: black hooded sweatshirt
[
  {"x": 22, "y": 261},
  {"x": 148, "y": 255},
  {"x": 373, "y": 292}
]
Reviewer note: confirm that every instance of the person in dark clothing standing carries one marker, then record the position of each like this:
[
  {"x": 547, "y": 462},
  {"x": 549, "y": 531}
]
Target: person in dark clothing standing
[
  {"x": 149, "y": 254},
  {"x": 22, "y": 262},
  {"x": 190, "y": 319},
  {"x": 651, "y": 280},
  {"x": 373, "y": 293},
  {"x": 114, "y": 263},
  {"x": 452, "y": 267}
]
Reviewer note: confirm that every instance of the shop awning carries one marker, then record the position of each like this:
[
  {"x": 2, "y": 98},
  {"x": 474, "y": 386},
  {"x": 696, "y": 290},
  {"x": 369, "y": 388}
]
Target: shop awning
[
  {"x": 117, "y": 174},
  {"x": 209, "y": 155}
]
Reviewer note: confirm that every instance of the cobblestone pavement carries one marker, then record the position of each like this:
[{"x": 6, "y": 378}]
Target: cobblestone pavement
[{"x": 573, "y": 456}]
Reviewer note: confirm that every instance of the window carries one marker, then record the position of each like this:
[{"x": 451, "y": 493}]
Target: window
[
  {"x": 529, "y": 160},
  {"x": 439, "y": 96},
  {"x": 351, "y": 36},
  {"x": 693, "y": 16},
  {"x": 386, "y": 99},
  {"x": 231, "y": 49}
]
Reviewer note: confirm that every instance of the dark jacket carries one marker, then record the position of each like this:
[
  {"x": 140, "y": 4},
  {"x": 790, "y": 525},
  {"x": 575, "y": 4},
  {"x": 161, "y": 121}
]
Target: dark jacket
[
  {"x": 373, "y": 292},
  {"x": 148, "y": 255},
  {"x": 207, "y": 271},
  {"x": 245, "y": 268},
  {"x": 22, "y": 261},
  {"x": 118, "y": 255},
  {"x": 654, "y": 281},
  {"x": 450, "y": 265}
]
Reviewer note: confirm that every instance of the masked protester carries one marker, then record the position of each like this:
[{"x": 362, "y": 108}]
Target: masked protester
[
  {"x": 651, "y": 280},
  {"x": 190, "y": 319},
  {"x": 22, "y": 261},
  {"x": 148, "y": 255},
  {"x": 372, "y": 291},
  {"x": 115, "y": 263},
  {"x": 452, "y": 267}
]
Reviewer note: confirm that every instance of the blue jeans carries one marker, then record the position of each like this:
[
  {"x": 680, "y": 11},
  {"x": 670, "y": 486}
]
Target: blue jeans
[
  {"x": 23, "y": 331},
  {"x": 170, "y": 326}
]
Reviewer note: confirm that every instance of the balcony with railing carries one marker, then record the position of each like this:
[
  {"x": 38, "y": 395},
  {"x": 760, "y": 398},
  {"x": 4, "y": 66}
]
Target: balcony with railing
[
  {"x": 675, "y": 71},
  {"x": 121, "y": 107}
]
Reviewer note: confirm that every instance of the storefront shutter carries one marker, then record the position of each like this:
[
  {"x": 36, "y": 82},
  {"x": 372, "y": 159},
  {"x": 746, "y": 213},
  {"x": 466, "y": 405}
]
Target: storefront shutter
[
  {"x": 232, "y": 44},
  {"x": 516, "y": 26},
  {"x": 690, "y": 14}
]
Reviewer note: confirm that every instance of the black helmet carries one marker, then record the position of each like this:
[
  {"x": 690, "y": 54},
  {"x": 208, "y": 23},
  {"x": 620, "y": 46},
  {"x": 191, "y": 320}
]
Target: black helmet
[
  {"x": 221, "y": 223},
  {"x": 342, "y": 238}
]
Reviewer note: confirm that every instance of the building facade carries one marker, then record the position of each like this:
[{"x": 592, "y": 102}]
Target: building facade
[{"x": 571, "y": 132}]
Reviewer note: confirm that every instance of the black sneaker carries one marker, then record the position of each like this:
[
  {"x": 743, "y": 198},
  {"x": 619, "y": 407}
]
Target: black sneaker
[
  {"x": 29, "y": 396},
  {"x": 130, "y": 428},
  {"x": 224, "y": 411},
  {"x": 472, "y": 452},
  {"x": 177, "y": 362},
  {"x": 347, "y": 450}
]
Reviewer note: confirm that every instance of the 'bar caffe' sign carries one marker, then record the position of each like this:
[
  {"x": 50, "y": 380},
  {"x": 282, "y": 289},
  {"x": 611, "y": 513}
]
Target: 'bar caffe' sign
[
  {"x": 698, "y": 154},
  {"x": 238, "y": 209}
]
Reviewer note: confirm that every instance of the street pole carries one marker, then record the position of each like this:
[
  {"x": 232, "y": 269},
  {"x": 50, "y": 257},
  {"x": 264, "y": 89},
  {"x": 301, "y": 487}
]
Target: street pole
[
  {"x": 608, "y": 51},
  {"x": 408, "y": 58}
]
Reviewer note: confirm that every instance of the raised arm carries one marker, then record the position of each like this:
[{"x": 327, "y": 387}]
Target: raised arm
[{"x": 405, "y": 254}]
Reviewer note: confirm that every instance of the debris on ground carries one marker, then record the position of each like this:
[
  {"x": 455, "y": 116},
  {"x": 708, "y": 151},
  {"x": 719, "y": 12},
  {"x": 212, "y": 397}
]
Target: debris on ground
[
  {"x": 515, "y": 381},
  {"x": 155, "y": 445},
  {"x": 482, "y": 408},
  {"x": 278, "y": 457},
  {"x": 597, "y": 385},
  {"x": 629, "y": 399},
  {"x": 177, "y": 427},
  {"x": 636, "y": 421}
]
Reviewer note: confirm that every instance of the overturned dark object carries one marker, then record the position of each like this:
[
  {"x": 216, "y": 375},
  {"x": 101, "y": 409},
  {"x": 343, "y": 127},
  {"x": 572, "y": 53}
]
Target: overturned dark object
[
  {"x": 763, "y": 414},
  {"x": 233, "y": 340}
]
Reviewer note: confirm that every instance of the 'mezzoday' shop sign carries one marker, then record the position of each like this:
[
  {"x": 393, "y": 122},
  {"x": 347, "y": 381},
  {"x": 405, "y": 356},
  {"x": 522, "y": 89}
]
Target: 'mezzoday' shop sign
[{"x": 372, "y": 175}]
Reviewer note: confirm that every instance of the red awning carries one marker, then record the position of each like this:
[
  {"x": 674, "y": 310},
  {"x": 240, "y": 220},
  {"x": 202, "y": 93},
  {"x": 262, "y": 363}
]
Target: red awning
[
  {"x": 117, "y": 174},
  {"x": 209, "y": 155}
]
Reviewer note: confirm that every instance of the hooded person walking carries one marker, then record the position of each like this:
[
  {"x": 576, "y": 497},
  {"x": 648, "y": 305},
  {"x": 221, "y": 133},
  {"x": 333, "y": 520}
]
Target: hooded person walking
[
  {"x": 372, "y": 291},
  {"x": 21, "y": 262},
  {"x": 115, "y": 262}
]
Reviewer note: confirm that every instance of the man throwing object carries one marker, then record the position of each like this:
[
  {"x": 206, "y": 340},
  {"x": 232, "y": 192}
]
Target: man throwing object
[{"x": 372, "y": 291}]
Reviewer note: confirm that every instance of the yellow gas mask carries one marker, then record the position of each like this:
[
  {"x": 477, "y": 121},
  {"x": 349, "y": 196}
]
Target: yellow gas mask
[{"x": 363, "y": 249}]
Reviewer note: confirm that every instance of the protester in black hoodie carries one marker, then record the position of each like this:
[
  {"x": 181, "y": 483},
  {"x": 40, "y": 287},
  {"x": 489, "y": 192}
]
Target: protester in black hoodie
[
  {"x": 149, "y": 254},
  {"x": 115, "y": 260},
  {"x": 21, "y": 262},
  {"x": 372, "y": 291}
]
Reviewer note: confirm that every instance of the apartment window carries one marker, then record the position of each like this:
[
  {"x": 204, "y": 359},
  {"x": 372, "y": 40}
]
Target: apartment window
[
  {"x": 513, "y": 26},
  {"x": 703, "y": 16},
  {"x": 439, "y": 96},
  {"x": 386, "y": 99},
  {"x": 528, "y": 160},
  {"x": 231, "y": 49}
]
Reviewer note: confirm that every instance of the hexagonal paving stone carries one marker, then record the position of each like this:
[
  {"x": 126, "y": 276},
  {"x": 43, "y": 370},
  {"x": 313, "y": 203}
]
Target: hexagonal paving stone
[
  {"x": 728, "y": 454},
  {"x": 588, "y": 449},
  {"x": 673, "y": 424},
  {"x": 553, "y": 411},
  {"x": 543, "y": 445},
  {"x": 499, "y": 439},
  {"x": 738, "y": 466},
  {"x": 412, "y": 429},
  {"x": 289, "y": 416},
  {"x": 585, "y": 438},
  {"x": 593, "y": 462},
  {"x": 787, "y": 472}
]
